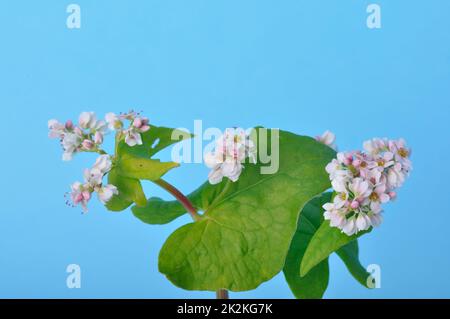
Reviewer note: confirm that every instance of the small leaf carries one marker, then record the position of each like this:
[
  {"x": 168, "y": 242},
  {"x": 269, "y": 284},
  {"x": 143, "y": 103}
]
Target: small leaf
[
  {"x": 350, "y": 256},
  {"x": 314, "y": 284},
  {"x": 244, "y": 234},
  {"x": 136, "y": 167},
  {"x": 158, "y": 211},
  {"x": 130, "y": 190},
  {"x": 135, "y": 163},
  {"x": 325, "y": 241}
]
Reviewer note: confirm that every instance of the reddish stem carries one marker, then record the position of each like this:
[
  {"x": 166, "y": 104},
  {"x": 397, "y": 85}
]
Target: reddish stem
[{"x": 180, "y": 197}]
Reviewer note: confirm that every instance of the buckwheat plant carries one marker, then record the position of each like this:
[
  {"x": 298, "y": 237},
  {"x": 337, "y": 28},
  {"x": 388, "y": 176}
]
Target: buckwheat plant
[{"x": 247, "y": 225}]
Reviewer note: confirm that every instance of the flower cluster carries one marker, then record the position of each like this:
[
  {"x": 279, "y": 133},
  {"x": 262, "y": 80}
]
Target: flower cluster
[
  {"x": 81, "y": 193},
  {"x": 363, "y": 181},
  {"x": 133, "y": 132},
  {"x": 88, "y": 136},
  {"x": 231, "y": 150}
]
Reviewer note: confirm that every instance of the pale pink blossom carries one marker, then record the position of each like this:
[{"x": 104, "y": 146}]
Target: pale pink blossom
[{"x": 328, "y": 138}]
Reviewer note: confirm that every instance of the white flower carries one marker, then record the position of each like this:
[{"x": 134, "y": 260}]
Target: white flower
[
  {"x": 132, "y": 137},
  {"x": 360, "y": 189},
  {"x": 71, "y": 142},
  {"x": 103, "y": 163},
  {"x": 80, "y": 195},
  {"x": 334, "y": 215},
  {"x": 230, "y": 151},
  {"x": 87, "y": 120},
  {"x": 114, "y": 122},
  {"x": 56, "y": 129},
  {"x": 105, "y": 193},
  {"x": 99, "y": 127},
  {"x": 327, "y": 138},
  {"x": 93, "y": 177}
]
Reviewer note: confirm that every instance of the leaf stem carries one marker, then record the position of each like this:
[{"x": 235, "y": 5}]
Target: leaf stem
[
  {"x": 222, "y": 294},
  {"x": 180, "y": 197}
]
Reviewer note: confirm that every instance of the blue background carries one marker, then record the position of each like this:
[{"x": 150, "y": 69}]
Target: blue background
[{"x": 304, "y": 66}]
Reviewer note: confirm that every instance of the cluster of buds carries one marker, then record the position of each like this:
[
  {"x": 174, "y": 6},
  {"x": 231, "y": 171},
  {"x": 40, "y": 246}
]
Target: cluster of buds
[
  {"x": 137, "y": 126},
  {"x": 231, "y": 150},
  {"x": 88, "y": 136},
  {"x": 363, "y": 181},
  {"x": 81, "y": 193}
]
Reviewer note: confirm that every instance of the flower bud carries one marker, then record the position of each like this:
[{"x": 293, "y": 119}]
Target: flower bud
[
  {"x": 354, "y": 204},
  {"x": 69, "y": 125},
  {"x": 88, "y": 145},
  {"x": 137, "y": 122}
]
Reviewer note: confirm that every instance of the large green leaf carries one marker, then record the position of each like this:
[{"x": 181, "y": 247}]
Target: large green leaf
[
  {"x": 133, "y": 164},
  {"x": 325, "y": 241},
  {"x": 350, "y": 256},
  {"x": 244, "y": 235},
  {"x": 314, "y": 284}
]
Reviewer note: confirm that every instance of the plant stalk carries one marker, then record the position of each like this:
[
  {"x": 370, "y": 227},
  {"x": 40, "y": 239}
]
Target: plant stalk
[
  {"x": 180, "y": 197},
  {"x": 221, "y": 293}
]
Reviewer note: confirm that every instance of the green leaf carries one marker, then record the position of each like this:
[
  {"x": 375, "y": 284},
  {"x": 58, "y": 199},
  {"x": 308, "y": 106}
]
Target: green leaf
[
  {"x": 142, "y": 168},
  {"x": 244, "y": 234},
  {"x": 133, "y": 164},
  {"x": 314, "y": 284},
  {"x": 350, "y": 256},
  {"x": 130, "y": 190},
  {"x": 325, "y": 241},
  {"x": 158, "y": 211}
]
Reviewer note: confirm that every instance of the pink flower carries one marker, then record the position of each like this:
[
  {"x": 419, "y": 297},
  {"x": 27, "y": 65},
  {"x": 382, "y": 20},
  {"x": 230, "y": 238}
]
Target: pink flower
[{"x": 328, "y": 138}]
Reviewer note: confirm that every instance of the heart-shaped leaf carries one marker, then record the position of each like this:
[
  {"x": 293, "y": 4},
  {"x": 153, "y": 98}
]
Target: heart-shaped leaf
[
  {"x": 244, "y": 235},
  {"x": 314, "y": 284}
]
